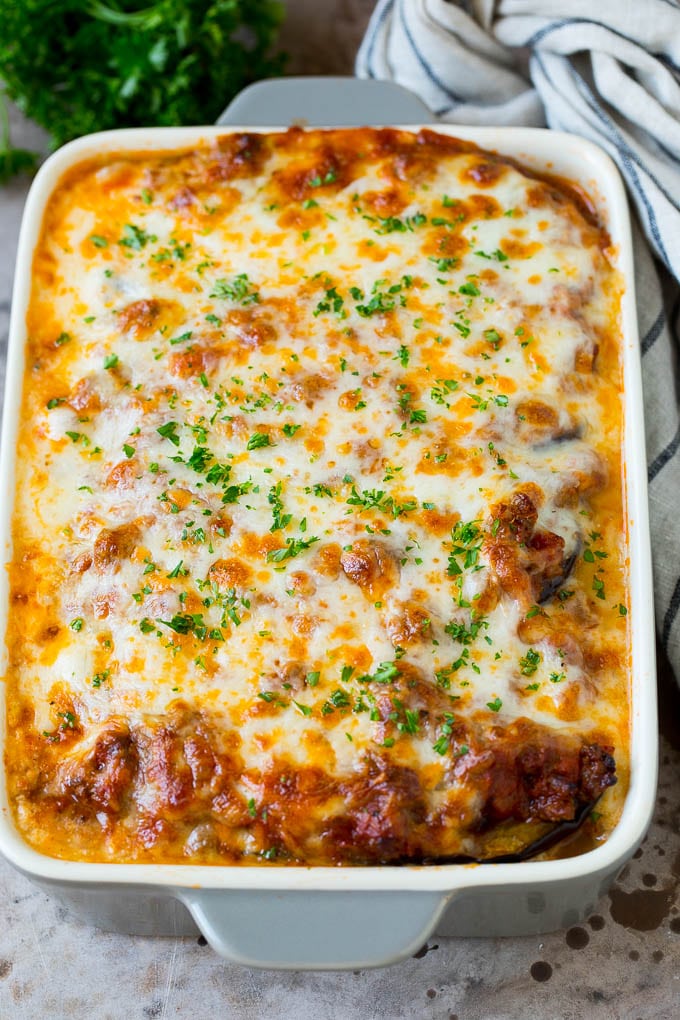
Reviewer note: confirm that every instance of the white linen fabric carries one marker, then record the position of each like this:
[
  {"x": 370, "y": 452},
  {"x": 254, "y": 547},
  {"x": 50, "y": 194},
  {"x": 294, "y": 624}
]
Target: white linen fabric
[{"x": 608, "y": 71}]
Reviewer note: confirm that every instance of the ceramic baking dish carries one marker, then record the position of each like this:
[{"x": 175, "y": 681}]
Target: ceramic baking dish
[{"x": 327, "y": 918}]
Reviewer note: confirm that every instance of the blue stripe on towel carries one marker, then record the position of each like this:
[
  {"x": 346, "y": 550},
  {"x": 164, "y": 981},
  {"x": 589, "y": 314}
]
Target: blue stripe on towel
[
  {"x": 382, "y": 17},
  {"x": 626, "y": 155},
  {"x": 654, "y": 332},
  {"x": 671, "y": 613},
  {"x": 423, "y": 62},
  {"x": 666, "y": 454},
  {"x": 556, "y": 26}
]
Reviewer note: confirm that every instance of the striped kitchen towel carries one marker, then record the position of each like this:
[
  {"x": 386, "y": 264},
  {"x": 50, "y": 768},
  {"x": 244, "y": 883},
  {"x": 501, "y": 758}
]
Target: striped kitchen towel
[{"x": 609, "y": 71}]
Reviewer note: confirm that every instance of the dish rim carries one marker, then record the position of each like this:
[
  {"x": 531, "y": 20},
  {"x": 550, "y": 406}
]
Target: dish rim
[{"x": 537, "y": 148}]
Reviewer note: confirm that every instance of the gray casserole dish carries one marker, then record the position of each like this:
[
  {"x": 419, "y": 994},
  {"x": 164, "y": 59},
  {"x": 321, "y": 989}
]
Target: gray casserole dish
[{"x": 325, "y": 918}]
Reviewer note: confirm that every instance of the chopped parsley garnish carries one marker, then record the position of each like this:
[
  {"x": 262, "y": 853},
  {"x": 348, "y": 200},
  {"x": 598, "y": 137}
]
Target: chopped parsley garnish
[
  {"x": 328, "y": 178},
  {"x": 465, "y": 635},
  {"x": 98, "y": 241},
  {"x": 392, "y": 224},
  {"x": 495, "y": 705},
  {"x": 439, "y": 392},
  {"x": 382, "y": 300},
  {"x": 441, "y": 746},
  {"x": 377, "y": 499},
  {"x": 444, "y": 265},
  {"x": 169, "y": 431},
  {"x": 233, "y": 493},
  {"x": 498, "y": 255},
  {"x": 333, "y": 302},
  {"x": 200, "y": 458},
  {"x": 294, "y": 546},
  {"x": 528, "y": 664},
  {"x": 258, "y": 440},
  {"x": 135, "y": 238},
  {"x": 178, "y": 571},
  {"x": 466, "y": 541},
  {"x": 384, "y": 674},
  {"x": 340, "y": 698},
  {"x": 402, "y": 356},
  {"x": 77, "y": 624},
  {"x": 187, "y": 623},
  {"x": 99, "y": 678},
  {"x": 239, "y": 289},
  {"x": 281, "y": 520}
]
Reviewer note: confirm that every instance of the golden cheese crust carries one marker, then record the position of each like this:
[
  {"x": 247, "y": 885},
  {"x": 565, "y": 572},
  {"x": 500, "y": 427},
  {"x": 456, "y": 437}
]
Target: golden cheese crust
[{"x": 319, "y": 546}]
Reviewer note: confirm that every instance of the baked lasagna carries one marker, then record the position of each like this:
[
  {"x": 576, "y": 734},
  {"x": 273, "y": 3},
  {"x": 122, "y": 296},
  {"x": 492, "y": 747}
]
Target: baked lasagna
[{"x": 319, "y": 552}]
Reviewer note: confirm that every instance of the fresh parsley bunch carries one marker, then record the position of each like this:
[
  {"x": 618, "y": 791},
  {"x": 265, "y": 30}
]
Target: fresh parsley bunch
[{"x": 77, "y": 66}]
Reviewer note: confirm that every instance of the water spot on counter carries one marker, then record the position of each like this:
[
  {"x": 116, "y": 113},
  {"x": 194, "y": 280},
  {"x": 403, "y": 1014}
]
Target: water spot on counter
[
  {"x": 5, "y": 968},
  {"x": 649, "y": 880},
  {"x": 634, "y": 955},
  {"x": 638, "y": 854},
  {"x": 596, "y": 996},
  {"x": 424, "y": 950},
  {"x": 541, "y": 971},
  {"x": 675, "y": 925},
  {"x": 201, "y": 940},
  {"x": 657, "y": 956},
  {"x": 453, "y": 1016},
  {"x": 596, "y": 922},
  {"x": 642, "y": 909},
  {"x": 431, "y": 993},
  {"x": 154, "y": 1011},
  {"x": 577, "y": 938}
]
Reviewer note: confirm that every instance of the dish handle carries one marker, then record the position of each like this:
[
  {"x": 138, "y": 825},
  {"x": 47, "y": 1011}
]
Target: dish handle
[
  {"x": 324, "y": 102},
  {"x": 314, "y": 930}
]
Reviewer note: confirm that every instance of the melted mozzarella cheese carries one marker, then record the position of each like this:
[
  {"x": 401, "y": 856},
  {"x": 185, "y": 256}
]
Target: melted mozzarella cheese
[{"x": 272, "y": 423}]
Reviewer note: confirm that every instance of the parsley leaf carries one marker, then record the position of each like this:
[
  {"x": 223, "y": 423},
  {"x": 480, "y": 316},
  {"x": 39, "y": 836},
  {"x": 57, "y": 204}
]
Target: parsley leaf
[
  {"x": 294, "y": 546},
  {"x": 108, "y": 65},
  {"x": 239, "y": 289}
]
